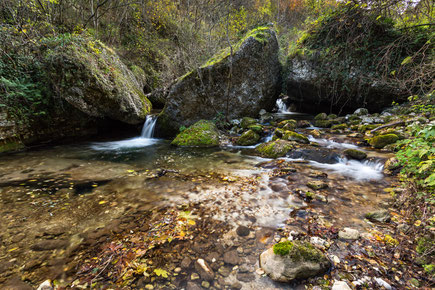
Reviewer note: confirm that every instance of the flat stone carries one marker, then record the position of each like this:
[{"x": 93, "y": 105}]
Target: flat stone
[
  {"x": 245, "y": 277},
  {"x": 193, "y": 286},
  {"x": 232, "y": 257},
  {"x": 236, "y": 286},
  {"x": 205, "y": 284},
  {"x": 348, "y": 234}
]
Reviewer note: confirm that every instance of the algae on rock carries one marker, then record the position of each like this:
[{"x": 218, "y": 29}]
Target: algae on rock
[{"x": 274, "y": 149}]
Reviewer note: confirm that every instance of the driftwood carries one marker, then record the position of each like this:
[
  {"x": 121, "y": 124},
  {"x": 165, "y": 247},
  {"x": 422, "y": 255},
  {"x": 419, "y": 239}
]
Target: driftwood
[{"x": 387, "y": 125}]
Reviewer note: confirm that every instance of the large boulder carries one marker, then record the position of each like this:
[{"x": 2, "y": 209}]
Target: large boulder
[
  {"x": 274, "y": 149},
  {"x": 90, "y": 76},
  {"x": 236, "y": 85},
  {"x": 287, "y": 261}
]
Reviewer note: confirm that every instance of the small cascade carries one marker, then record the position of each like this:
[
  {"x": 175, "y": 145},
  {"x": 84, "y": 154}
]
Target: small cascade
[
  {"x": 144, "y": 140},
  {"x": 148, "y": 127},
  {"x": 332, "y": 144},
  {"x": 282, "y": 107}
]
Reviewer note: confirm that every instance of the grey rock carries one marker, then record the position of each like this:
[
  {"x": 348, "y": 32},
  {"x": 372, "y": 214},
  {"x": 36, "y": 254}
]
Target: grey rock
[
  {"x": 348, "y": 234},
  {"x": 245, "y": 277},
  {"x": 380, "y": 216},
  {"x": 295, "y": 265},
  {"x": 361, "y": 112},
  {"x": 243, "y": 231},
  {"x": 201, "y": 93},
  {"x": 232, "y": 257},
  {"x": 340, "y": 285}
]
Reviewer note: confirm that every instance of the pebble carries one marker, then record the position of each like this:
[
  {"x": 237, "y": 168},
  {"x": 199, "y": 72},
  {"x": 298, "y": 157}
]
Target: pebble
[
  {"x": 46, "y": 285},
  {"x": 243, "y": 231},
  {"x": 236, "y": 286},
  {"x": 240, "y": 250},
  {"x": 204, "y": 270},
  {"x": 232, "y": 257},
  {"x": 348, "y": 234},
  {"x": 319, "y": 242},
  {"x": 185, "y": 263},
  {"x": 382, "y": 283},
  {"x": 224, "y": 271},
  {"x": 245, "y": 277},
  {"x": 340, "y": 285},
  {"x": 149, "y": 287},
  {"x": 260, "y": 271},
  {"x": 194, "y": 276},
  {"x": 205, "y": 284},
  {"x": 177, "y": 270}
]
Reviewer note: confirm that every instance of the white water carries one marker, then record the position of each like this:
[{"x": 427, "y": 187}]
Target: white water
[
  {"x": 282, "y": 107},
  {"x": 361, "y": 171},
  {"x": 146, "y": 139},
  {"x": 332, "y": 144}
]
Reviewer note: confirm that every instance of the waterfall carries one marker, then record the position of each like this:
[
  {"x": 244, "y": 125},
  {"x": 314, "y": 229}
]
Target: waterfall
[
  {"x": 148, "y": 127},
  {"x": 282, "y": 107}
]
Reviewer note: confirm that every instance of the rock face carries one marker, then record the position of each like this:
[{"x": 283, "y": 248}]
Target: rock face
[
  {"x": 235, "y": 85},
  {"x": 301, "y": 261},
  {"x": 202, "y": 134},
  {"x": 90, "y": 76},
  {"x": 310, "y": 90}
]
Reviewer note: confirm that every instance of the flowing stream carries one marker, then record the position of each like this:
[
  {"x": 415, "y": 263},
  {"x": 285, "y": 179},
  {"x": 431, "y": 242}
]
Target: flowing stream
[{"x": 67, "y": 190}]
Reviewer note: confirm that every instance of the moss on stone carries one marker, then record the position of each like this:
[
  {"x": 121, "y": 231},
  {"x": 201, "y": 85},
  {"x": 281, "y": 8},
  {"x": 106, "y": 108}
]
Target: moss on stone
[
  {"x": 260, "y": 34},
  {"x": 383, "y": 140},
  {"x": 256, "y": 128},
  {"x": 323, "y": 123},
  {"x": 248, "y": 138},
  {"x": 11, "y": 146},
  {"x": 355, "y": 154},
  {"x": 364, "y": 128},
  {"x": 201, "y": 134},
  {"x": 293, "y": 136},
  {"x": 291, "y": 124},
  {"x": 247, "y": 121},
  {"x": 274, "y": 149},
  {"x": 299, "y": 251},
  {"x": 339, "y": 127},
  {"x": 321, "y": 116},
  {"x": 282, "y": 248}
]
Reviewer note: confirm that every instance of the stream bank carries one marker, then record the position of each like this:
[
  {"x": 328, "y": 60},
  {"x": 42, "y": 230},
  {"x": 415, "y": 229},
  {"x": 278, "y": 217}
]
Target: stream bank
[{"x": 109, "y": 214}]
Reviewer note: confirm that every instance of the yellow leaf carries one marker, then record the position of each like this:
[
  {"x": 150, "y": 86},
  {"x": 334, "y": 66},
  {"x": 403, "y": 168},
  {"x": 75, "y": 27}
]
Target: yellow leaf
[
  {"x": 102, "y": 202},
  {"x": 417, "y": 223},
  {"x": 14, "y": 249},
  {"x": 191, "y": 222},
  {"x": 160, "y": 272}
]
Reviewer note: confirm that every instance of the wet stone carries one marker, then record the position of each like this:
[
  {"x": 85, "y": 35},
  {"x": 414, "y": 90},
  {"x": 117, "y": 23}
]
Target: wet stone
[
  {"x": 204, "y": 270},
  {"x": 212, "y": 257},
  {"x": 186, "y": 262},
  {"x": 192, "y": 286},
  {"x": 224, "y": 271},
  {"x": 245, "y": 277},
  {"x": 48, "y": 245},
  {"x": 236, "y": 286},
  {"x": 232, "y": 257},
  {"x": 317, "y": 184},
  {"x": 205, "y": 284},
  {"x": 243, "y": 231},
  {"x": 348, "y": 234}
]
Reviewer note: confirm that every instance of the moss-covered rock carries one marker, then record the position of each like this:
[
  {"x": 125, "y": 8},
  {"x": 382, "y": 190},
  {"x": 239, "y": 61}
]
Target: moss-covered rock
[
  {"x": 317, "y": 184},
  {"x": 90, "y": 76},
  {"x": 293, "y": 136},
  {"x": 248, "y": 138},
  {"x": 256, "y": 128},
  {"x": 383, "y": 140},
  {"x": 255, "y": 83},
  {"x": 323, "y": 123},
  {"x": 339, "y": 127},
  {"x": 288, "y": 124},
  {"x": 321, "y": 116},
  {"x": 290, "y": 260},
  {"x": 247, "y": 121},
  {"x": 274, "y": 149},
  {"x": 355, "y": 154},
  {"x": 202, "y": 134}
]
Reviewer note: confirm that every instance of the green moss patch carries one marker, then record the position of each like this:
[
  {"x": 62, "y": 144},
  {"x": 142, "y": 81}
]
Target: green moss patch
[
  {"x": 201, "y": 134},
  {"x": 383, "y": 140},
  {"x": 293, "y": 136},
  {"x": 299, "y": 251},
  {"x": 248, "y": 138}
]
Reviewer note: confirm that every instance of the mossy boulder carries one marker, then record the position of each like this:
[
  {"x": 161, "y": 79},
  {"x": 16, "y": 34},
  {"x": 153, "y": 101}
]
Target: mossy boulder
[
  {"x": 355, "y": 154},
  {"x": 248, "y": 138},
  {"x": 256, "y": 128},
  {"x": 247, "y": 121},
  {"x": 287, "y": 124},
  {"x": 274, "y": 149},
  {"x": 383, "y": 140},
  {"x": 91, "y": 77},
  {"x": 323, "y": 123},
  {"x": 290, "y": 260},
  {"x": 202, "y": 134},
  {"x": 254, "y": 84},
  {"x": 293, "y": 136},
  {"x": 317, "y": 184},
  {"x": 321, "y": 116}
]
